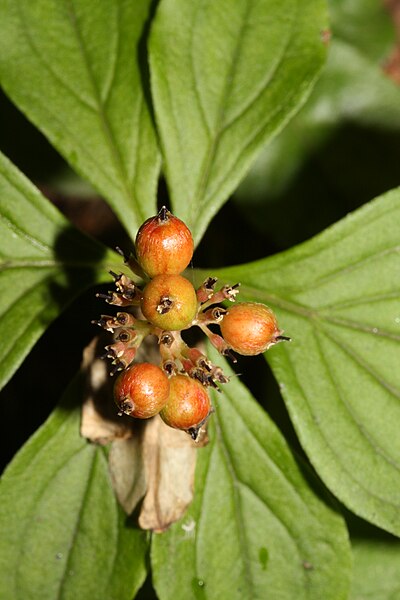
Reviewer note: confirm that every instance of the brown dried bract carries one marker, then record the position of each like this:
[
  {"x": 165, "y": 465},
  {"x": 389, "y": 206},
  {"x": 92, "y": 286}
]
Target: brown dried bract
[
  {"x": 169, "y": 460},
  {"x": 100, "y": 422},
  {"x": 127, "y": 470},
  {"x": 158, "y": 465}
]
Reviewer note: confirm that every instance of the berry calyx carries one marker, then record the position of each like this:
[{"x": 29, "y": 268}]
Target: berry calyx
[
  {"x": 250, "y": 328},
  {"x": 142, "y": 390},
  {"x": 188, "y": 404},
  {"x": 164, "y": 245},
  {"x": 169, "y": 302}
]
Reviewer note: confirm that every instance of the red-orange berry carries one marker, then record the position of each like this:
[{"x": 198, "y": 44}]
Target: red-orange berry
[
  {"x": 188, "y": 403},
  {"x": 164, "y": 245},
  {"x": 169, "y": 302},
  {"x": 250, "y": 328},
  {"x": 142, "y": 390}
]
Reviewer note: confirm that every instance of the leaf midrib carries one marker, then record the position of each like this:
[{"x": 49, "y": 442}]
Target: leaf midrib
[
  {"x": 105, "y": 123},
  {"x": 236, "y": 483},
  {"x": 200, "y": 199},
  {"x": 98, "y": 108},
  {"x": 76, "y": 527},
  {"x": 199, "y": 196},
  {"x": 38, "y": 497},
  {"x": 273, "y": 465},
  {"x": 237, "y": 504}
]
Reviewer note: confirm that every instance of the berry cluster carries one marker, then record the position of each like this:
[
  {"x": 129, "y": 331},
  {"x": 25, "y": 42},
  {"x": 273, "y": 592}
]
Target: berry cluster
[{"x": 177, "y": 389}]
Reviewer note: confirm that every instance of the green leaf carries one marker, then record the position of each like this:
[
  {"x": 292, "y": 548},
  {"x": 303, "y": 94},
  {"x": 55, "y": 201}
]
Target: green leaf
[
  {"x": 76, "y": 68},
  {"x": 337, "y": 296},
  {"x": 63, "y": 534},
  {"x": 352, "y": 88},
  {"x": 233, "y": 76},
  {"x": 376, "y": 570},
  {"x": 257, "y": 527},
  {"x": 44, "y": 264}
]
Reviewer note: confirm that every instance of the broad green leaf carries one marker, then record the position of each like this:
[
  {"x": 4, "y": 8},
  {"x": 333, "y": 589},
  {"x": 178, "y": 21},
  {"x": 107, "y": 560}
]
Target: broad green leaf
[
  {"x": 77, "y": 69},
  {"x": 376, "y": 569},
  {"x": 256, "y": 528},
  {"x": 337, "y": 296},
  {"x": 352, "y": 88},
  {"x": 226, "y": 76},
  {"x": 63, "y": 534},
  {"x": 44, "y": 264}
]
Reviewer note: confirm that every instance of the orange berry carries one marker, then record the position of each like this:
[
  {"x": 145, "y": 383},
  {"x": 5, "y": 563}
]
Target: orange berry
[
  {"x": 164, "y": 245},
  {"x": 142, "y": 390},
  {"x": 250, "y": 328},
  {"x": 188, "y": 403},
  {"x": 169, "y": 302}
]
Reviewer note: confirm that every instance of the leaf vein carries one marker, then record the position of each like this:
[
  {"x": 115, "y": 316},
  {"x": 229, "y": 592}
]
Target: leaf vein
[
  {"x": 362, "y": 327},
  {"x": 278, "y": 62},
  {"x": 202, "y": 110},
  {"x": 349, "y": 268},
  {"x": 25, "y": 24},
  {"x": 61, "y": 124},
  {"x": 28, "y": 522},
  {"x": 350, "y": 473},
  {"x": 99, "y": 107},
  {"x": 209, "y": 156},
  {"x": 238, "y": 508},
  {"x": 392, "y": 389},
  {"x": 365, "y": 299},
  {"x": 75, "y": 532},
  {"x": 360, "y": 426},
  {"x": 271, "y": 462},
  {"x": 21, "y": 233}
]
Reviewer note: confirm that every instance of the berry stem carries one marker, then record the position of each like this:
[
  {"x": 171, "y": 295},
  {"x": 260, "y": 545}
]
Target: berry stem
[
  {"x": 228, "y": 292},
  {"x": 218, "y": 342}
]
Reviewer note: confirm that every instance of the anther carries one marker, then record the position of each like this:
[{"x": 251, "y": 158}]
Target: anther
[{"x": 230, "y": 292}]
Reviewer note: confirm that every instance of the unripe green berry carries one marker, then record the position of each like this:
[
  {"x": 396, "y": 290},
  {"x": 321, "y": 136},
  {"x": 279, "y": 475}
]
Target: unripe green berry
[
  {"x": 164, "y": 245},
  {"x": 142, "y": 390},
  {"x": 250, "y": 328},
  {"x": 188, "y": 403},
  {"x": 169, "y": 302}
]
